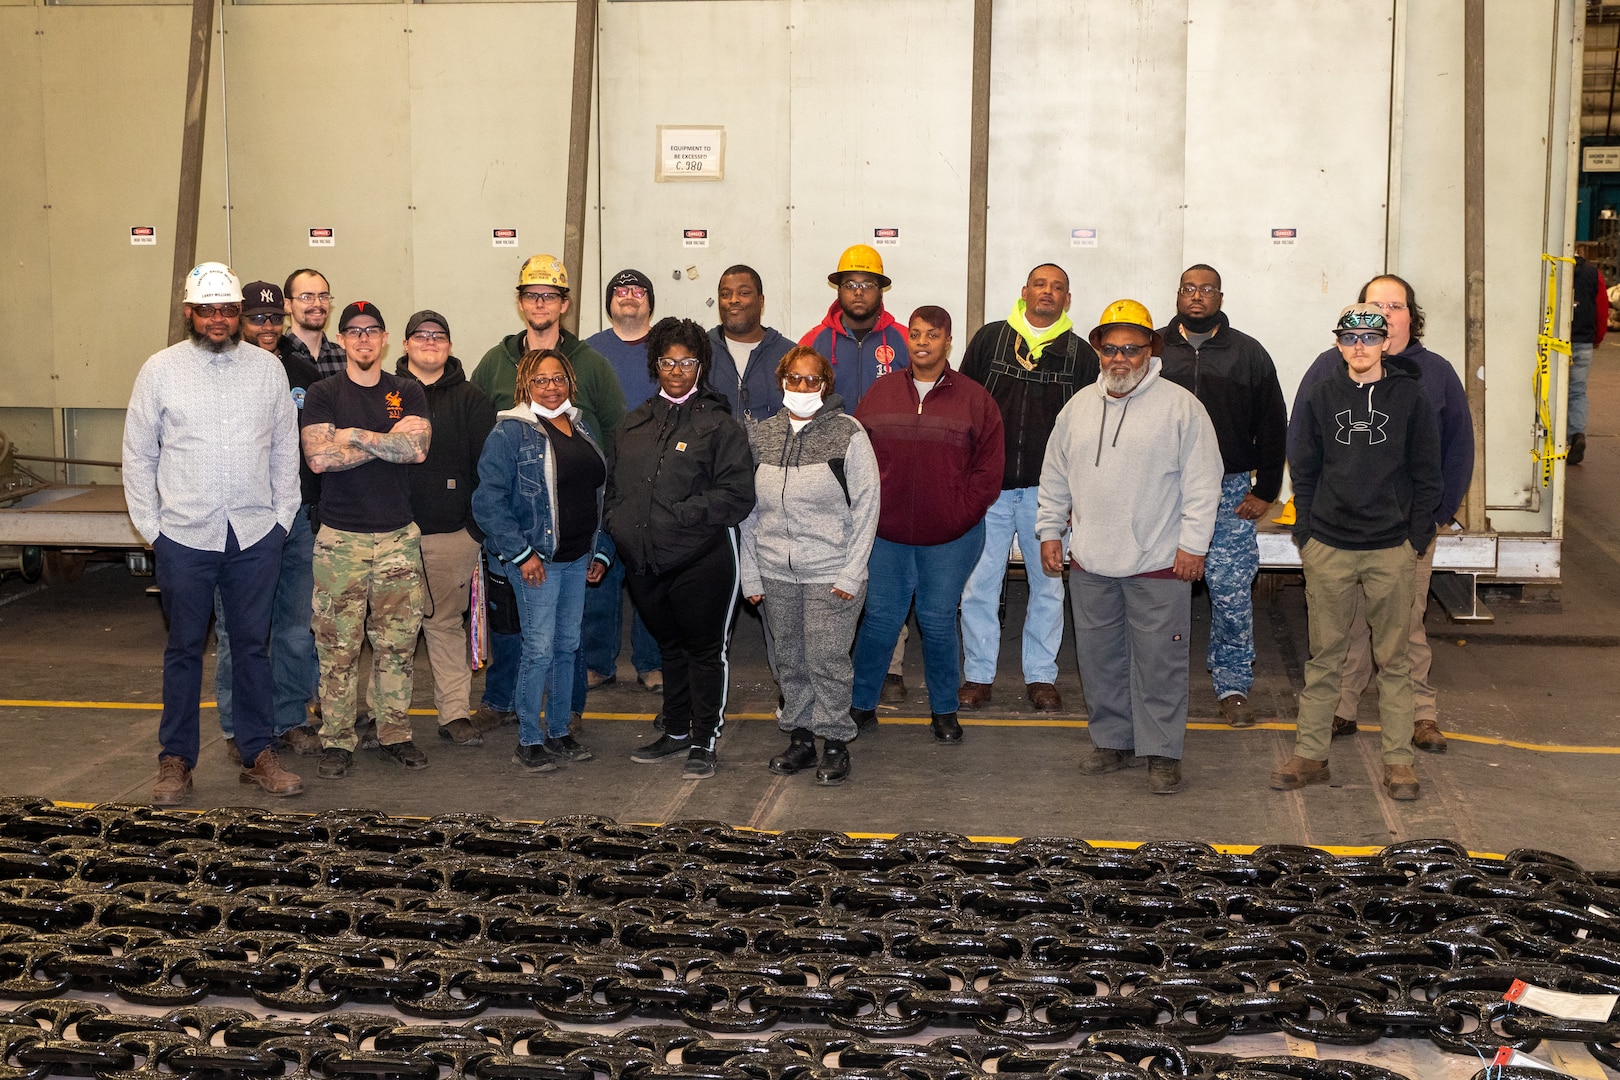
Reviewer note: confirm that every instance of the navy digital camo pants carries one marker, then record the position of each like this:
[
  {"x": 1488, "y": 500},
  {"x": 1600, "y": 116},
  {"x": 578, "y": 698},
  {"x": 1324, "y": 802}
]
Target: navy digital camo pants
[{"x": 1229, "y": 570}]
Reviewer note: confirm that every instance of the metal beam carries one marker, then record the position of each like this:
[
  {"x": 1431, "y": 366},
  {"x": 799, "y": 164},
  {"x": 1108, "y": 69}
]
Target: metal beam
[
  {"x": 191, "y": 160},
  {"x": 579, "y": 148},
  {"x": 978, "y": 166},
  {"x": 1474, "y": 248}
]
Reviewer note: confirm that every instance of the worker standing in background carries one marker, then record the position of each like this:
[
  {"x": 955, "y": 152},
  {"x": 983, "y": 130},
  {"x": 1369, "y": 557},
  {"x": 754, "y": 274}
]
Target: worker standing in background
[
  {"x": 309, "y": 303},
  {"x": 1588, "y": 322},
  {"x": 1233, "y": 376},
  {"x": 543, "y": 299},
  {"x": 210, "y": 464},
  {"x": 1031, "y": 363}
]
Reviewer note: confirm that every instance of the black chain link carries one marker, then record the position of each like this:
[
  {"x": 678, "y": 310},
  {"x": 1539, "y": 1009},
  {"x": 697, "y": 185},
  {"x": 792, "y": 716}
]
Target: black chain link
[{"x": 1138, "y": 956}]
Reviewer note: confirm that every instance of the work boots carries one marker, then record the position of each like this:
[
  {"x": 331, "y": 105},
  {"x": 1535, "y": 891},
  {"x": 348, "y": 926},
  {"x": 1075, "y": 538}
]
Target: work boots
[
  {"x": 973, "y": 696},
  {"x": 269, "y": 775},
  {"x": 800, "y": 754},
  {"x": 1298, "y": 772},
  {"x": 1426, "y": 736},
  {"x": 173, "y": 783},
  {"x": 946, "y": 728},
  {"x": 1400, "y": 782},
  {"x": 834, "y": 767}
]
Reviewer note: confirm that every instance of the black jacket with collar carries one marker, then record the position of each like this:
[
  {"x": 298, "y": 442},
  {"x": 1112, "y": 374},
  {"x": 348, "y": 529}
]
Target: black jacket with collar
[
  {"x": 680, "y": 476},
  {"x": 1232, "y": 374},
  {"x": 462, "y": 417}
]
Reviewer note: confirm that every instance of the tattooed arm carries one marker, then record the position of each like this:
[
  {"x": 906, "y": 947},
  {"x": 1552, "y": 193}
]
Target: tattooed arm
[{"x": 332, "y": 449}]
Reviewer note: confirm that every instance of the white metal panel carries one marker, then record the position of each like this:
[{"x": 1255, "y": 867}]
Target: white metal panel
[
  {"x": 26, "y": 344},
  {"x": 488, "y": 150},
  {"x": 1288, "y": 128},
  {"x": 320, "y": 138},
  {"x": 1087, "y": 130},
  {"x": 880, "y": 135},
  {"x": 695, "y": 63}
]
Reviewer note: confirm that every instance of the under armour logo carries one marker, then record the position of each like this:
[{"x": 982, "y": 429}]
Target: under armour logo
[{"x": 1373, "y": 428}]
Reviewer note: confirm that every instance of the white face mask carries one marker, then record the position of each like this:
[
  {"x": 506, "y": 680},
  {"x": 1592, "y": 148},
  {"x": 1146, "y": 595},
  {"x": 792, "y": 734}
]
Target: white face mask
[
  {"x": 551, "y": 414},
  {"x": 802, "y": 402}
]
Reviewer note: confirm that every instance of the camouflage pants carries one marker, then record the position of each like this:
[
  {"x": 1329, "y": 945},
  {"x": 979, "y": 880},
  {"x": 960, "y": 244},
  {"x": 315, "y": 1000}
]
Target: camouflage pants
[
  {"x": 367, "y": 586},
  {"x": 1229, "y": 570}
]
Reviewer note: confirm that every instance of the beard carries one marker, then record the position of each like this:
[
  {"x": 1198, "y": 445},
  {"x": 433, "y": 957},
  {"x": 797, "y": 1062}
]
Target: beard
[
  {"x": 1124, "y": 384},
  {"x": 206, "y": 342}
]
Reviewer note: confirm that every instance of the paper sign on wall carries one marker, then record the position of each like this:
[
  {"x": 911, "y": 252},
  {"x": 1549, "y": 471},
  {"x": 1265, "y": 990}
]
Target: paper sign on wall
[
  {"x": 695, "y": 238},
  {"x": 886, "y": 237},
  {"x": 1082, "y": 238},
  {"x": 1600, "y": 159},
  {"x": 143, "y": 236},
  {"x": 323, "y": 238},
  {"x": 503, "y": 238},
  {"x": 691, "y": 153},
  {"x": 1284, "y": 237}
]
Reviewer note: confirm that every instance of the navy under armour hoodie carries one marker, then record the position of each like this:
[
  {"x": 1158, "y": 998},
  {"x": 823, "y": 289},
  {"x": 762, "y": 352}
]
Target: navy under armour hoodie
[{"x": 1365, "y": 461}]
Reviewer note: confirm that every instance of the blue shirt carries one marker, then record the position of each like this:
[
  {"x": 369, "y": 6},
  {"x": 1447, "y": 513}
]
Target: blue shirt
[
  {"x": 210, "y": 446},
  {"x": 629, "y": 362}
]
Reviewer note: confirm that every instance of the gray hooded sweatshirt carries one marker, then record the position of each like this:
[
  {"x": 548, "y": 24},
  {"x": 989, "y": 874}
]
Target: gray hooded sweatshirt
[
  {"x": 1140, "y": 474},
  {"x": 816, "y": 509}
]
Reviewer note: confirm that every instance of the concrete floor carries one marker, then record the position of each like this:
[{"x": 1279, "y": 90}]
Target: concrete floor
[{"x": 82, "y": 668}]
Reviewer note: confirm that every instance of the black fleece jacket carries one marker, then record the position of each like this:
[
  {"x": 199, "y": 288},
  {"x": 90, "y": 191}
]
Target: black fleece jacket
[
  {"x": 462, "y": 417},
  {"x": 1366, "y": 468},
  {"x": 680, "y": 476},
  {"x": 1232, "y": 374}
]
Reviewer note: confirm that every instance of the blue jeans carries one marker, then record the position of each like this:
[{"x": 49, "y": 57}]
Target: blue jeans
[
  {"x": 934, "y": 575},
  {"x": 551, "y": 613},
  {"x": 1012, "y": 513},
  {"x": 1229, "y": 571},
  {"x": 186, "y": 580},
  {"x": 603, "y": 635},
  {"x": 294, "y": 671},
  {"x": 1580, "y": 362}
]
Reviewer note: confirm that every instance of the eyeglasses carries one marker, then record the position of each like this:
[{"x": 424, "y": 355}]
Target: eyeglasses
[
  {"x": 1347, "y": 338},
  {"x": 540, "y": 382},
  {"x": 1199, "y": 290},
  {"x": 363, "y": 333},
  {"x": 625, "y": 292},
  {"x": 1393, "y": 305},
  {"x": 540, "y": 298},
  {"x": 312, "y": 297},
  {"x": 859, "y": 286},
  {"x": 208, "y": 311},
  {"x": 802, "y": 382},
  {"x": 430, "y": 337},
  {"x": 670, "y": 363},
  {"x": 265, "y": 320},
  {"x": 1129, "y": 352}
]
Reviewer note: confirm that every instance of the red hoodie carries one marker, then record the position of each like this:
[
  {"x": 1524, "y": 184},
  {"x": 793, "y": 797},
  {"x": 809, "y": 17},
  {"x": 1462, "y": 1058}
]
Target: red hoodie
[{"x": 940, "y": 458}]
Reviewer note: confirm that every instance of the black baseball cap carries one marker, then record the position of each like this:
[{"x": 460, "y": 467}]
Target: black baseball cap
[
  {"x": 425, "y": 315},
  {"x": 263, "y": 297},
  {"x": 356, "y": 309}
]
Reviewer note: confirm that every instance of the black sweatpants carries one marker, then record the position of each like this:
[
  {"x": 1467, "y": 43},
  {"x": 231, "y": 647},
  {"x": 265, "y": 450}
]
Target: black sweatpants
[{"x": 689, "y": 611}]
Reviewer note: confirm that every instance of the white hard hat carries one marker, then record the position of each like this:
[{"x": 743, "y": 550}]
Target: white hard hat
[{"x": 213, "y": 283}]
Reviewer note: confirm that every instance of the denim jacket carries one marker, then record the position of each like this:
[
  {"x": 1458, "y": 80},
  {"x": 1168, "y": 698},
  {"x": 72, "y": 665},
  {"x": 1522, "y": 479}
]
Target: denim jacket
[{"x": 516, "y": 501}]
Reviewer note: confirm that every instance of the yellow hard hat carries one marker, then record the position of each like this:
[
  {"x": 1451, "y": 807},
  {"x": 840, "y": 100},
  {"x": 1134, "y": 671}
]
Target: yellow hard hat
[
  {"x": 1126, "y": 313},
  {"x": 544, "y": 270},
  {"x": 859, "y": 259}
]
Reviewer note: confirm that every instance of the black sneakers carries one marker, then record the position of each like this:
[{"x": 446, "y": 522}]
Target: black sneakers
[
  {"x": 663, "y": 748},
  {"x": 834, "y": 768},
  {"x": 406, "y": 754},
  {"x": 534, "y": 759},
  {"x": 568, "y": 748},
  {"x": 799, "y": 756},
  {"x": 699, "y": 764},
  {"x": 334, "y": 764}
]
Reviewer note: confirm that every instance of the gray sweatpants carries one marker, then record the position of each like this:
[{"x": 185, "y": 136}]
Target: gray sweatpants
[
  {"x": 1130, "y": 636},
  {"x": 814, "y": 631}
]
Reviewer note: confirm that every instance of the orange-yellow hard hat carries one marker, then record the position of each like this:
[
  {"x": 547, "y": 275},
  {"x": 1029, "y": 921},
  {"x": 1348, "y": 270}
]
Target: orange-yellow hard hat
[
  {"x": 859, "y": 259},
  {"x": 1126, "y": 313},
  {"x": 544, "y": 270}
]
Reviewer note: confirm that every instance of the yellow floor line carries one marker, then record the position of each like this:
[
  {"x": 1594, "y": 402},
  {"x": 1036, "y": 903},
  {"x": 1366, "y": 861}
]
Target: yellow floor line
[{"x": 1194, "y": 725}]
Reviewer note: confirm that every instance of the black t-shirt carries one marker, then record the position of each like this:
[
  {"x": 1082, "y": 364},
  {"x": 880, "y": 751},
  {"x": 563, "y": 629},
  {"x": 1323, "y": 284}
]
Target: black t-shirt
[
  {"x": 374, "y": 497},
  {"x": 579, "y": 473},
  {"x": 301, "y": 375}
]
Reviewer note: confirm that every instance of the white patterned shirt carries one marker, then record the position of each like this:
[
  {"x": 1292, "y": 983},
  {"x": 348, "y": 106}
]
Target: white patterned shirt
[{"x": 211, "y": 444}]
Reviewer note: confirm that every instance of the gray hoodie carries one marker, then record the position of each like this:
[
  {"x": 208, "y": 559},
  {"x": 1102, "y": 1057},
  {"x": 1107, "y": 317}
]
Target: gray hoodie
[
  {"x": 816, "y": 512},
  {"x": 1140, "y": 474}
]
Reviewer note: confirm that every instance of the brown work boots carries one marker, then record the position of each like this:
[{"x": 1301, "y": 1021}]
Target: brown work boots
[
  {"x": 1299, "y": 772},
  {"x": 269, "y": 775},
  {"x": 173, "y": 783}
]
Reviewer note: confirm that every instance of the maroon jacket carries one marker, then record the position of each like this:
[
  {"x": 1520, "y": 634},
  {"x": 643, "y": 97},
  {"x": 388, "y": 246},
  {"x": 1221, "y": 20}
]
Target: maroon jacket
[{"x": 939, "y": 459}]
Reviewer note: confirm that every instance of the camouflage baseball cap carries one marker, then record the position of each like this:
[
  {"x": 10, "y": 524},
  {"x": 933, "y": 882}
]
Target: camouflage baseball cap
[{"x": 1361, "y": 317}]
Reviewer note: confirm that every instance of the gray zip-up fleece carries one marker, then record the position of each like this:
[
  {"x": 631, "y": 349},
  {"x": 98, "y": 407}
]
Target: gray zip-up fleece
[
  {"x": 817, "y": 509},
  {"x": 1141, "y": 475}
]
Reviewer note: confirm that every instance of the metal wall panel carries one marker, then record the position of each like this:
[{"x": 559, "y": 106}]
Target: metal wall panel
[
  {"x": 27, "y": 348},
  {"x": 1087, "y": 131},
  {"x": 1286, "y": 132},
  {"x": 488, "y": 149},
  {"x": 319, "y": 118},
  {"x": 880, "y": 130},
  {"x": 698, "y": 63}
]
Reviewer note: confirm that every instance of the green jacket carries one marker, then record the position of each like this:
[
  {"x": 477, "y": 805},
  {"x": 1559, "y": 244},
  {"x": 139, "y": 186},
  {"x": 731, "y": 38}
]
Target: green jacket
[{"x": 597, "y": 393}]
